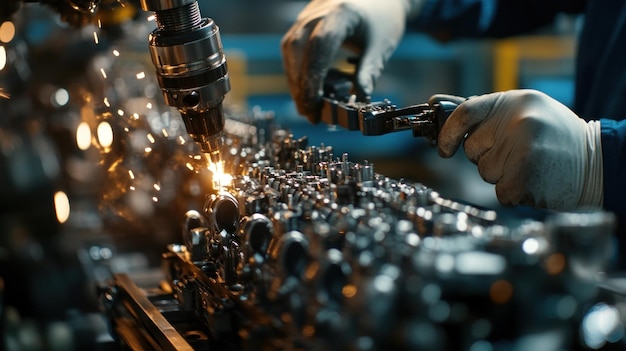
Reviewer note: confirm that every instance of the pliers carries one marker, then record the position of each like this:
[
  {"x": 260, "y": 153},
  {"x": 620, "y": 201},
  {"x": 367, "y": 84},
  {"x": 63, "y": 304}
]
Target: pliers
[{"x": 341, "y": 107}]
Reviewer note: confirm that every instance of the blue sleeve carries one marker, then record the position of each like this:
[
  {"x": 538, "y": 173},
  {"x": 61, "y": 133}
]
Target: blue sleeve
[
  {"x": 454, "y": 19},
  {"x": 613, "y": 134}
]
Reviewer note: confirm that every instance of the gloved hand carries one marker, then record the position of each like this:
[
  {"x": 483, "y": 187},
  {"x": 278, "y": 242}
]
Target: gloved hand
[
  {"x": 370, "y": 27},
  {"x": 534, "y": 149}
]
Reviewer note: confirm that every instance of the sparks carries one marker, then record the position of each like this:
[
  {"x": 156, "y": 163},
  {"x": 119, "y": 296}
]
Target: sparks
[
  {"x": 116, "y": 53},
  {"x": 95, "y": 37},
  {"x": 141, "y": 75},
  {"x": 104, "y": 74},
  {"x": 4, "y": 95},
  {"x": 220, "y": 178}
]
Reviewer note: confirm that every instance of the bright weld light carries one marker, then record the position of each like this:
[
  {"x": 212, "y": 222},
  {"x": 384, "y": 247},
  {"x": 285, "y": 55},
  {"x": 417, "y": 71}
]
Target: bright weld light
[
  {"x": 157, "y": 187},
  {"x": 141, "y": 75},
  {"x": 220, "y": 178},
  {"x": 7, "y": 31},
  {"x": 105, "y": 134},
  {"x": 151, "y": 18},
  {"x": 189, "y": 165},
  {"x": 95, "y": 37},
  {"x": 99, "y": 24},
  {"x": 83, "y": 136},
  {"x": 165, "y": 134},
  {"x": 131, "y": 174},
  {"x": 120, "y": 113},
  {"x": 3, "y": 57},
  {"x": 135, "y": 116},
  {"x": 104, "y": 74},
  {"x": 62, "y": 206},
  {"x": 150, "y": 138},
  {"x": 181, "y": 140},
  {"x": 149, "y": 105},
  {"x": 132, "y": 188},
  {"x": 155, "y": 199},
  {"x": 106, "y": 102},
  {"x": 116, "y": 53},
  {"x": 148, "y": 150}
]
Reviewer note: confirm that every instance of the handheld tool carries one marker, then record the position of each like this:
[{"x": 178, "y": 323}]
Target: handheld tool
[{"x": 341, "y": 107}]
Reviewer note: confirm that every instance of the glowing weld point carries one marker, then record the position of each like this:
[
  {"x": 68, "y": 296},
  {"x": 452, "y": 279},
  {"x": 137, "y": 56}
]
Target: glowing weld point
[
  {"x": 120, "y": 113},
  {"x": 157, "y": 187},
  {"x": 132, "y": 188},
  {"x": 189, "y": 165},
  {"x": 155, "y": 199},
  {"x": 148, "y": 150},
  {"x": 103, "y": 73},
  {"x": 149, "y": 105},
  {"x": 135, "y": 116},
  {"x": 99, "y": 24},
  {"x": 106, "y": 102},
  {"x": 151, "y": 138},
  {"x": 95, "y": 37},
  {"x": 220, "y": 178},
  {"x": 141, "y": 75},
  {"x": 131, "y": 174},
  {"x": 116, "y": 53}
]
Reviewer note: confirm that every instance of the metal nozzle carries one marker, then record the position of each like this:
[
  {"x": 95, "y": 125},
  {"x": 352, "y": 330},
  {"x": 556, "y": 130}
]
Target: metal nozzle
[{"x": 186, "y": 50}]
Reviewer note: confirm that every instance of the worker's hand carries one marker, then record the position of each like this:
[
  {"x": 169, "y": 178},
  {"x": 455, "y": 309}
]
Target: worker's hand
[
  {"x": 372, "y": 28},
  {"x": 534, "y": 149}
]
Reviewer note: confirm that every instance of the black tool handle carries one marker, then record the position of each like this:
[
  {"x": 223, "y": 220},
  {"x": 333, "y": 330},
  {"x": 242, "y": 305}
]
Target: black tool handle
[{"x": 443, "y": 105}]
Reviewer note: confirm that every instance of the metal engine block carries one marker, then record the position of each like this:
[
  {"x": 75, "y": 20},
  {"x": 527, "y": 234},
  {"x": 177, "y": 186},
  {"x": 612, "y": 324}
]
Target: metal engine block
[{"x": 303, "y": 250}]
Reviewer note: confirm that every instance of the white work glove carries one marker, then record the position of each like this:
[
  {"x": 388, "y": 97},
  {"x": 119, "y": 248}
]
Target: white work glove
[
  {"x": 534, "y": 149},
  {"x": 372, "y": 28}
]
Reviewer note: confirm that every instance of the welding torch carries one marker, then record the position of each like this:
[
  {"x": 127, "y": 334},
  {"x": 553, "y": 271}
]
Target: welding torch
[
  {"x": 187, "y": 52},
  {"x": 342, "y": 107}
]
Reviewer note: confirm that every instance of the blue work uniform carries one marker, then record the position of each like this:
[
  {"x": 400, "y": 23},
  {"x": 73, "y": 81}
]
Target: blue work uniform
[{"x": 600, "y": 91}]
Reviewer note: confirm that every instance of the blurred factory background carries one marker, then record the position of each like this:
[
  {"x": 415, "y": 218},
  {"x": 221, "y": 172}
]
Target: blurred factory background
[{"x": 81, "y": 118}]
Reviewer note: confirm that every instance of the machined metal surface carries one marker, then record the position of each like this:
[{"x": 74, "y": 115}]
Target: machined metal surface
[{"x": 304, "y": 250}]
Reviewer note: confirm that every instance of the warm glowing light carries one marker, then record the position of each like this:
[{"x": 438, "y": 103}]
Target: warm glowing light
[
  {"x": 150, "y": 138},
  {"x": 83, "y": 136},
  {"x": 148, "y": 149},
  {"x": 7, "y": 31},
  {"x": 95, "y": 37},
  {"x": 62, "y": 206},
  {"x": 155, "y": 199},
  {"x": 501, "y": 291},
  {"x": 135, "y": 116},
  {"x": 61, "y": 97},
  {"x": 106, "y": 102},
  {"x": 104, "y": 74},
  {"x": 116, "y": 53},
  {"x": 555, "y": 263},
  {"x": 3, "y": 57},
  {"x": 349, "y": 290},
  {"x": 4, "y": 95},
  {"x": 157, "y": 187},
  {"x": 220, "y": 178},
  {"x": 105, "y": 134},
  {"x": 120, "y": 113},
  {"x": 149, "y": 105},
  {"x": 131, "y": 174},
  {"x": 151, "y": 18},
  {"x": 189, "y": 166},
  {"x": 141, "y": 75}
]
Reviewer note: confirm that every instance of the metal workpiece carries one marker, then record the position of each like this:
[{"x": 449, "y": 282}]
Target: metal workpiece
[{"x": 309, "y": 250}]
